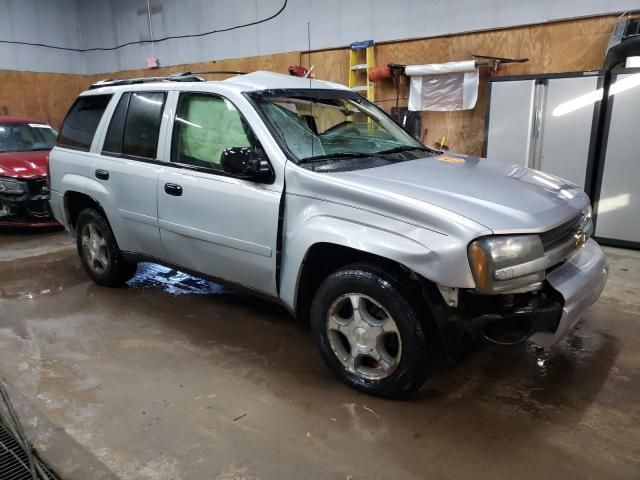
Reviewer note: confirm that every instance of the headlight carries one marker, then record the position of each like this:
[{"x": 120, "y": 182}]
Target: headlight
[
  {"x": 504, "y": 264},
  {"x": 12, "y": 187}
]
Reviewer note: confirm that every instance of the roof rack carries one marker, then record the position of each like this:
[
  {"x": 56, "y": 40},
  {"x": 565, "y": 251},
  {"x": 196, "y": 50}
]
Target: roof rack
[
  {"x": 216, "y": 72},
  {"x": 176, "y": 77}
]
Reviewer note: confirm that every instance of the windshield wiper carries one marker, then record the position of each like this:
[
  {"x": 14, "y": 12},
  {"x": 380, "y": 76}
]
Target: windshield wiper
[
  {"x": 338, "y": 155},
  {"x": 406, "y": 148}
]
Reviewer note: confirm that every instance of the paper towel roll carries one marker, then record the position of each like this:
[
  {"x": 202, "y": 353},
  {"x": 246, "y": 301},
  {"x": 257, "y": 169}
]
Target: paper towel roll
[{"x": 440, "y": 68}]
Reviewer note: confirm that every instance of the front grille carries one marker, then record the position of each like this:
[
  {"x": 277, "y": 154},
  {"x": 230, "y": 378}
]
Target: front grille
[
  {"x": 14, "y": 464},
  {"x": 38, "y": 187},
  {"x": 559, "y": 234}
]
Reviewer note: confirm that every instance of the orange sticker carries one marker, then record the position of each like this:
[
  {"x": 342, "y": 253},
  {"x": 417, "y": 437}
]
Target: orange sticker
[{"x": 451, "y": 159}]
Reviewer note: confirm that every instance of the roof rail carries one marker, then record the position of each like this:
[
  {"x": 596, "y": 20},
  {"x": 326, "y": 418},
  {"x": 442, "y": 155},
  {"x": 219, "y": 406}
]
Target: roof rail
[
  {"x": 175, "y": 77},
  {"x": 217, "y": 72}
]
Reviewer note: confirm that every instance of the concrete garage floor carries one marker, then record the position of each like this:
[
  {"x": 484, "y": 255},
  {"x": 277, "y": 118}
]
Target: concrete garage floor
[{"x": 177, "y": 378}]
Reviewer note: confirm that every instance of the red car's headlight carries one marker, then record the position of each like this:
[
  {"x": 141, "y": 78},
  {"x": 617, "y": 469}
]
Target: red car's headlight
[{"x": 11, "y": 186}]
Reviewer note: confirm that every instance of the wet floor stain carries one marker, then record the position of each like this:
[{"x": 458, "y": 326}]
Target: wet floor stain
[
  {"x": 172, "y": 282},
  {"x": 29, "y": 295}
]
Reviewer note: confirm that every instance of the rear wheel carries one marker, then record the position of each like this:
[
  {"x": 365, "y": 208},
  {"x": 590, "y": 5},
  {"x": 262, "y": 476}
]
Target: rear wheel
[
  {"x": 368, "y": 331},
  {"x": 99, "y": 252}
]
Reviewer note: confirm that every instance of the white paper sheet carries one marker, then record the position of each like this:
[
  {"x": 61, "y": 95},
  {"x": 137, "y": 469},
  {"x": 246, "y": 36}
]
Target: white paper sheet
[{"x": 443, "y": 86}]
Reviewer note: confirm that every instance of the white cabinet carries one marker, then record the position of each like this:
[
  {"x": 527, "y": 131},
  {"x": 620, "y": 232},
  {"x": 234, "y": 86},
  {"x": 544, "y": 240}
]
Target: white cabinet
[
  {"x": 543, "y": 123},
  {"x": 618, "y": 205}
]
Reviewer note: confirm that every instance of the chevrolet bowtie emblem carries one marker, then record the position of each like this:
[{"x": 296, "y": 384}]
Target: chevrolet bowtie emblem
[{"x": 581, "y": 239}]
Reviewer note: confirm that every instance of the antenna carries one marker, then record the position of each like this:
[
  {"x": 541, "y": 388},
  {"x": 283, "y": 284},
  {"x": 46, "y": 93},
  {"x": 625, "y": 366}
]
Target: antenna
[{"x": 309, "y": 50}]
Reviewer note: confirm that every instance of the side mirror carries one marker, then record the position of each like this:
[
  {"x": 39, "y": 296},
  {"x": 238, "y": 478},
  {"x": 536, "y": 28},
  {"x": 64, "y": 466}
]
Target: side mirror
[{"x": 244, "y": 162}]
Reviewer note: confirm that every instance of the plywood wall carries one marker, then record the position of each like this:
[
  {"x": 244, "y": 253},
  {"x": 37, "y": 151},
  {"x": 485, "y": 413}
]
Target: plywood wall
[
  {"x": 45, "y": 96},
  {"x": 553, "y": 47}
]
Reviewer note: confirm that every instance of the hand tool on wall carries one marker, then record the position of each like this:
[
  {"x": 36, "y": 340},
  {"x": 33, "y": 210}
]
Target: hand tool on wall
[{"x": 494, "y": 62}]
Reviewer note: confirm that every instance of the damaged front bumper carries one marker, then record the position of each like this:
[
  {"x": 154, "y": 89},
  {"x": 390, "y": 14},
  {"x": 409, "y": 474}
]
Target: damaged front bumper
[
  {"x": 580, "y": 281},
  {"x": 543, "y": 317},
  {"x": 28, "y": 209}
]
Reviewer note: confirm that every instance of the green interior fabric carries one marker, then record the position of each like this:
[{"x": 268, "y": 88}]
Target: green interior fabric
[{"x": 217, "y": 125}]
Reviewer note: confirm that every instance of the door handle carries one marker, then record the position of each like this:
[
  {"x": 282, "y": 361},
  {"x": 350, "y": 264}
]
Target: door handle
[
  {"x": 102, "y": 174},
  {"x": 173, "y": 189}
]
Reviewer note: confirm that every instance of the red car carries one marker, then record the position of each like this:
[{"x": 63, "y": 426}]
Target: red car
[{"x": 24, "y": 154}]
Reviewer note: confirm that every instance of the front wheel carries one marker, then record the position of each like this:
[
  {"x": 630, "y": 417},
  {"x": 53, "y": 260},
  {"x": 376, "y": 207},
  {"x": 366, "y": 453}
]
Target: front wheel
[
  {"x": 369, "y": 332},
  {"x": 99, "y": 252}
]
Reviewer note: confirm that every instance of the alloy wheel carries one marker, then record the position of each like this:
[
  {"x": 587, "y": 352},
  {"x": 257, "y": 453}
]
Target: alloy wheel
[
  {"x": 364, "y": 336},
  {"x": 94, "y": 249}
]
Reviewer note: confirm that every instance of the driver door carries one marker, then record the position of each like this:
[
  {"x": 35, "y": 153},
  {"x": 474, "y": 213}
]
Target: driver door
[{"x": 210, "y": 221}]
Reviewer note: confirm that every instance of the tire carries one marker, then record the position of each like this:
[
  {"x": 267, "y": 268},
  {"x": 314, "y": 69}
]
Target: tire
[
  {"x": 373, "y": 357},
  {"x": 99, "y": 252}
]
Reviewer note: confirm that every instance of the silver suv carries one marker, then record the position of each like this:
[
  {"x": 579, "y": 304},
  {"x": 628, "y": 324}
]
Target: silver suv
[{"x": 303, "y": 192}]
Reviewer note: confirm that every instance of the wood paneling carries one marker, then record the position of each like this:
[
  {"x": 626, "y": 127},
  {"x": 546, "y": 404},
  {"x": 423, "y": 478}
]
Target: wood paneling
[
  {"x": 45, "y": 96},
  {"x": 553, "y": 47},
  {"x": 276, "y": 63}
]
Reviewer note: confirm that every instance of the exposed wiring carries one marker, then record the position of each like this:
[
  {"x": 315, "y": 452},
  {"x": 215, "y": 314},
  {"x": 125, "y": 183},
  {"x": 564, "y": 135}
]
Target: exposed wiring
[{"x": 142, "y": 42}]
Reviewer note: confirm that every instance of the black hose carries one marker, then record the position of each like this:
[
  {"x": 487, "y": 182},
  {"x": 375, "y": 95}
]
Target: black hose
[{"x": 618, "y": 54}]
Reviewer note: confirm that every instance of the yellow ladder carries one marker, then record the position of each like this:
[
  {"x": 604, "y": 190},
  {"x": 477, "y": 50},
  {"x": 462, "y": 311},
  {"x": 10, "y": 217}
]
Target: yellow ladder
[{"x": 356, "y": 67}]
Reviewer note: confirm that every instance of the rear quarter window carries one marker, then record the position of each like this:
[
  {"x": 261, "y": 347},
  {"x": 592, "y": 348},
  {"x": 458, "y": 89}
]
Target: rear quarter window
[
  {"x": 135, "y": 125},
  {"x": 82, "y": 121}
]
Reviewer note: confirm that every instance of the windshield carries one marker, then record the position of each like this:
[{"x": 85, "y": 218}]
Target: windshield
[
  {"x": 26, "y": 137},
  {"x": 333, "y": 128}
]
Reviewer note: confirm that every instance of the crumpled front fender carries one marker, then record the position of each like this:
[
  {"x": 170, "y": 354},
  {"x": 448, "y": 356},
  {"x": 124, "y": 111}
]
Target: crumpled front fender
[{"x": 436, "y": 256}]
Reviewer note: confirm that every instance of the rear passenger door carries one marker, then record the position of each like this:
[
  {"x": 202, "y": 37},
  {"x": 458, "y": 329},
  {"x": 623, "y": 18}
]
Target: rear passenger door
[
  {"x": 71, "y": 158},
  {"x": 210, "y": 221},
  {"x": 126, "y": 171}
]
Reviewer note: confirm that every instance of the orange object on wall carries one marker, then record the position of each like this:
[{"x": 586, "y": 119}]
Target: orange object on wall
[
  {"x": 380, "y": 72},
  {"x": 297, "y": 71}
]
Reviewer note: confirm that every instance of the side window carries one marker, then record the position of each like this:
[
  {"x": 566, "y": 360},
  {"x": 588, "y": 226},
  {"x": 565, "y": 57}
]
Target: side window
[
  {"x": 81, "y": 122},
  {"x": 135, "y": 125},
  {"x": 205, "y": 126},
  {"x": 113, "y": 140}
]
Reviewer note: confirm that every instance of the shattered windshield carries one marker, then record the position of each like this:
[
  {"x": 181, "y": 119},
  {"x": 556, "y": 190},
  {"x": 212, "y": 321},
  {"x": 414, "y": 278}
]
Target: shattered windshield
[
  {"x": 26, "y": 137},
  {"x": 314, "y": 128}
]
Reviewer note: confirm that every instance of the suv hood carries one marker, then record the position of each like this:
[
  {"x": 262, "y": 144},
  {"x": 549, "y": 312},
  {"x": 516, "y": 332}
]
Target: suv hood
[
  {"x": 25, "y": 165},
  {"x": 503, "y": 198}
]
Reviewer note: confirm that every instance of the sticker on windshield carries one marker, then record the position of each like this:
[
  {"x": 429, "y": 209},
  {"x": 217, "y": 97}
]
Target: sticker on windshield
[
  {"x": 450, "y": 159},
  {"x": 39, "y": 125}
]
